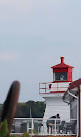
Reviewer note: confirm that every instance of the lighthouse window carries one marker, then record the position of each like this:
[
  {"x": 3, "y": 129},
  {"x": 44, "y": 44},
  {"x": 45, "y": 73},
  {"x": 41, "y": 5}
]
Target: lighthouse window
[{"x": 62, "y": 76}]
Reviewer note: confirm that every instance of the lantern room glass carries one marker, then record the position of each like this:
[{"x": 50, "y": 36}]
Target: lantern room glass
[{"x": 61, "y": 76}]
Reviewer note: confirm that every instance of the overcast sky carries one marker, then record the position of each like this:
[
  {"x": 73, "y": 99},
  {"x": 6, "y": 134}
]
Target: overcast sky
[{"x": 34, "y": 34}]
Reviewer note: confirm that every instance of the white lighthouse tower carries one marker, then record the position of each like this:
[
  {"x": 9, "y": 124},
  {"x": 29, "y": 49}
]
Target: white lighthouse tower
[{"x": 53, "y": 92}]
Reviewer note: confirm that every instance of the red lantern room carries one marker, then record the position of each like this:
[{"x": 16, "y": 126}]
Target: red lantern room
[{"x": 62, "y": 72}]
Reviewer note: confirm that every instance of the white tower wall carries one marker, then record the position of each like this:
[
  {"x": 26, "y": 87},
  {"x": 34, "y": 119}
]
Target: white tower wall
[{"x": 54, "y": 106}]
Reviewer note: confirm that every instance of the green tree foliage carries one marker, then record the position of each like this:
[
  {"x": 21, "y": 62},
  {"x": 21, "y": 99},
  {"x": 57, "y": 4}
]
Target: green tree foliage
[
  {"x": 35, "y": 108},
  {"x": 3, "y": 128},
  {"x": 23, "y": 109},
  {"x": 26, "y": 134}
]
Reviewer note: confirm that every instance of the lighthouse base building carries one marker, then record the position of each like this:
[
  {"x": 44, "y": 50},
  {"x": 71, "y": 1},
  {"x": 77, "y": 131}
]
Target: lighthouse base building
[{"x": 55, "y": 105}]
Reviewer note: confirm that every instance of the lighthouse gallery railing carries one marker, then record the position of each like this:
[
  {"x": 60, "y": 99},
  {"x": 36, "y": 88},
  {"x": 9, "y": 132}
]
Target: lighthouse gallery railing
[{"x": 49, "y": 87}]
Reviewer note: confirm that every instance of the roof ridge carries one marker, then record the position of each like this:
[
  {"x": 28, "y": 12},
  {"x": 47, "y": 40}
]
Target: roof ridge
[{"x": 62, "y": 65}]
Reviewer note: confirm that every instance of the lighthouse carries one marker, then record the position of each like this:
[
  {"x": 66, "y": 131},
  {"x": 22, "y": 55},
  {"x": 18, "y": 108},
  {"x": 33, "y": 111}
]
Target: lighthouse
[{"x": 53, "y": 91}]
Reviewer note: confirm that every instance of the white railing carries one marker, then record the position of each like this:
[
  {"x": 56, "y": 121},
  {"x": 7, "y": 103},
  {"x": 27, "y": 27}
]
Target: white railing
[
  {"x": 44, "y": 127},
  {"x": 50, "y": 87}
]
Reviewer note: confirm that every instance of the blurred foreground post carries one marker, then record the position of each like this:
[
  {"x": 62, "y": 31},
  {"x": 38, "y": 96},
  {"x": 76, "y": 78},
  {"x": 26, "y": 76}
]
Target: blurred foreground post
[{"x": 10, "y": 105}]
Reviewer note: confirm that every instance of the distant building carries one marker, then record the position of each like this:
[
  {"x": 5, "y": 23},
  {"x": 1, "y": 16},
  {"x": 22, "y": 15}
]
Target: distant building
[{"x": 73, "y": 97}]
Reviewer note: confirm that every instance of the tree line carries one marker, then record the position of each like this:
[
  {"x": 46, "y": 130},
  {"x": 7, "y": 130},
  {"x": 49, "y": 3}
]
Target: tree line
[{"x": 29, "y": 109}]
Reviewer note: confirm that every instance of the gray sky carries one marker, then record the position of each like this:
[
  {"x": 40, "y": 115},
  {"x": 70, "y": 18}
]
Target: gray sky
[{"x": 34, "y": 34}]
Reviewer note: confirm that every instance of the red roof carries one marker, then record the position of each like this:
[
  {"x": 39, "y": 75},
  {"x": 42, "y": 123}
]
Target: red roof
[
  {"x": 75, "y": 84},
  {"x": 62, "y": 64}
]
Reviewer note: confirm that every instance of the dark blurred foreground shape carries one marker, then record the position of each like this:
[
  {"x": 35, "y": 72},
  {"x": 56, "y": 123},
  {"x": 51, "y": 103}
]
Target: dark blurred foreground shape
[{"x": 10, "y": 104}]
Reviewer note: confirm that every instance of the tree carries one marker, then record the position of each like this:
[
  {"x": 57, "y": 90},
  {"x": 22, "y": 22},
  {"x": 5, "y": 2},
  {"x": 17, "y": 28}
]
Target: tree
[{"x": 37, "y": 109}]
